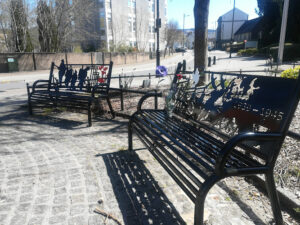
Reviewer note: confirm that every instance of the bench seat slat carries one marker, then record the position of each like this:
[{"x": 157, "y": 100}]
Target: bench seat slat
[
  {"x": 179, "y": 164},
  {"x": 180, "y": 135},
  {"x": 196, "y": 135},
  {"x": 189, "y": 187},
  {"x": 170, "y": 172},
  {"x": 177, "y": 146},
  {"x": 174, "y": 149},
  {"x": 194, "y": 139}
]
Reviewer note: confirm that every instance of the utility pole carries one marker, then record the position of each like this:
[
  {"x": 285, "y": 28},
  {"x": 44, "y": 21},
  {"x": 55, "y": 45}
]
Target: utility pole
[
  {"x": 231, "y": 40},
  {"x": 283, "y": 31},
  {"x": 158, "y": 25},
  {"x": 183, "y": 28}
]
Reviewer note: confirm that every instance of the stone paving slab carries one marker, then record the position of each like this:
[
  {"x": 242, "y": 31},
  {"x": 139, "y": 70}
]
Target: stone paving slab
[{"x": 55, "y": 170}]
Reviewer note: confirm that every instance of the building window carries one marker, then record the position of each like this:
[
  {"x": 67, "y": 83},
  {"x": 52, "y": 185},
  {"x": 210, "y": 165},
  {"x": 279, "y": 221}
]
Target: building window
[
  {"x": 102, "y": 14},
  {"x": 102, "y": 32}
]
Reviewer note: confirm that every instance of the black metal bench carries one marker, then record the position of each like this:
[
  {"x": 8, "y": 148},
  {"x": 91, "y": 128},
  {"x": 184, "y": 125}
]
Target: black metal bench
[
  {"x": 234, "y": 126},
  {"x": 72, "y": 90}
]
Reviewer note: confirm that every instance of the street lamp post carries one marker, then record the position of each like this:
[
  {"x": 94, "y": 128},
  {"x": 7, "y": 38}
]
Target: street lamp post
[
  {"x": 158, "y": 25},
  {"x": 231, "y": 39}
]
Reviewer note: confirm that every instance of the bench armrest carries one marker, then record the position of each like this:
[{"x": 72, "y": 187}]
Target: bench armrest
[
  {"x": 149, "y": 95},
  {"x": 101, "y": 87},
  {"x": 233, "y": 142},
  {"x": 39, "y": 83}
]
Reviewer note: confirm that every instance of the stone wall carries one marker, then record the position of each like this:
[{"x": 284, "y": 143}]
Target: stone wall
[{"x": 42, "y": 61}]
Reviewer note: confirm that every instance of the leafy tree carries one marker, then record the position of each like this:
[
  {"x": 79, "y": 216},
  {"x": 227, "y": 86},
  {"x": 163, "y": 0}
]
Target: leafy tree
[{"x": 271, "y": 10}]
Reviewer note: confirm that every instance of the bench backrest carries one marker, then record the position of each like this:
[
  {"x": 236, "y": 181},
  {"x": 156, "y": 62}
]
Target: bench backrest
[
  {"x": 232, "y": 104},
  {"x": 81, "y": 77}
]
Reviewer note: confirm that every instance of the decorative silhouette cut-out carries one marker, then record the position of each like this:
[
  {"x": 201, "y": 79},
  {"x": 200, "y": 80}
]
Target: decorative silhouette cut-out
[
  {"x": 68, "y": 77},
  {"x": 62, "y": 69},
  {"x": 73, "y": 80},
  {"x": 82, "y": 77}
]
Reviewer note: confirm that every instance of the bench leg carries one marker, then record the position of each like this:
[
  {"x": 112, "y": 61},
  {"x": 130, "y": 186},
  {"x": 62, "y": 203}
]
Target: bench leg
[
  {"x": 29, "y": 107},
  {"x": 89, "y": 115},
  {"x": 130, "y": 135},
  {"x": 110, "y": 107},
  {"x": 200, "y": 199},
  {"x": 270, "y": 183}
]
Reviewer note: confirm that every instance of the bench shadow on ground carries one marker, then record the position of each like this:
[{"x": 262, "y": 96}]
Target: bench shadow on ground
[
  {"x": 140, "y": 198},
  {"x": 17, "y": 117}
]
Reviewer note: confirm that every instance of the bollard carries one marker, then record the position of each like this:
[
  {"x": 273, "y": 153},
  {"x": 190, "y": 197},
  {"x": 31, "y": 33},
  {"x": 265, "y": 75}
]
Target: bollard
[
  {"x": 120, "y": 81},
  {"x": 122, "y": 99},
  {"x": 156, "y": 100},
  {"x": 184, "y": 65},
  {"x": 214, "y": 61},
  {"x": 209, "y": 61}
]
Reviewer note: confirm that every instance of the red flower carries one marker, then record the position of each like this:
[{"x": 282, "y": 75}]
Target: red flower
[
  {"x": 103, "y": 72},
  {"x": 179, "y": 76},
  {"x": 100, "y": 67},
  {"x": 101, "y": 80}
]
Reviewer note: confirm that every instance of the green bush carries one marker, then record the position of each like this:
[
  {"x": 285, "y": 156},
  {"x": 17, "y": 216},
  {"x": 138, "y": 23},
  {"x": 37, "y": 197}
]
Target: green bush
[
  {"x": 291, "y": 73},
  {"x": 247, "y": 52}
]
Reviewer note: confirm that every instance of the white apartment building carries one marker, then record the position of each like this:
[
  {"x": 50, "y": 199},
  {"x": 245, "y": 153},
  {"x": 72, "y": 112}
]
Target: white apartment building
[{"x": 130, "y": 23}]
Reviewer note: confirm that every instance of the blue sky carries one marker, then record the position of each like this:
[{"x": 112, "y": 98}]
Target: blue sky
[{"x": 176, "y": 9}]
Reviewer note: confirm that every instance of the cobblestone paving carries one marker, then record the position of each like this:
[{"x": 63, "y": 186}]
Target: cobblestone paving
[{"x": 56, "y": 170}]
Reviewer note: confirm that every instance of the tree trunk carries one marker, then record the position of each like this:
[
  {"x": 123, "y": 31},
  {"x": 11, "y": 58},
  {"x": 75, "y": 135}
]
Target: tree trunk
[{"x": 201, "y": 10}]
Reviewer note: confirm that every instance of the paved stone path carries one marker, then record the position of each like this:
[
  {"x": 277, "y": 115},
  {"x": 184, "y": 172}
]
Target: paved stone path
[{"x": 56, "y": 170}]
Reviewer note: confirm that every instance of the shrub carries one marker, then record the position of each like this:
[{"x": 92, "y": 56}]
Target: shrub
[
  {"x": 291, "y": 73},
  {"x": 291, "y": 52},
  {"x": 247, "y": 52}
]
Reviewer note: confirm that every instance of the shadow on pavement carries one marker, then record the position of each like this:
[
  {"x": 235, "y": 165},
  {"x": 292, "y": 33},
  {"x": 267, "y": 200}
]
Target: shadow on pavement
[{"x": 140, "y": 198}]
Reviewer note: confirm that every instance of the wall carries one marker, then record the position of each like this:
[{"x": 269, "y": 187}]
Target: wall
[{"x": 41, "y": 61}]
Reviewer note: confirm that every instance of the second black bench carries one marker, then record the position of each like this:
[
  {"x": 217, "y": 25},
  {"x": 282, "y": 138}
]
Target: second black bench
[{"x": 234, "y": 126}]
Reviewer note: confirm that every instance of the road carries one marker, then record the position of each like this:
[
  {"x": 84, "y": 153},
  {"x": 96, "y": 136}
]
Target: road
[
  {"x": 19, "y": 79},
  {"x": 224, "y": 63}
]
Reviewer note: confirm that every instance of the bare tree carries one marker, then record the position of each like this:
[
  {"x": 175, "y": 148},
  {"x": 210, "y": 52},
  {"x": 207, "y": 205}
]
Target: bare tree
[
  {"x": 201, "y": 10},
  {"x": 4, "y": 26},
  {"x": 142, "y": 26},
  {"x": 119, "y": 28},
  {"x": 14, "y": 25},
  {"x": 172, "y": 34},
  {"x": 62, "y": 23}
]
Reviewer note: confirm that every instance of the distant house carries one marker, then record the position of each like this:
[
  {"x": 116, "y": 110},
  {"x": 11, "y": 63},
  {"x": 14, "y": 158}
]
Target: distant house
[
  {"x": 250, "y": 32},
  {"x": 224, "y": 30},
  {"x": 190, "y": 38}
]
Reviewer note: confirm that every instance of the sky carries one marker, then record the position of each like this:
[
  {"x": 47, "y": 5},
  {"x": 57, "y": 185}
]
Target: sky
[{"x": 177, "y": 8}]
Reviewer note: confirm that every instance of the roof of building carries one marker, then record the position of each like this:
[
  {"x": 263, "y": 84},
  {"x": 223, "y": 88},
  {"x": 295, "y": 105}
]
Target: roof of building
[{"x": 248, "y": 26}]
